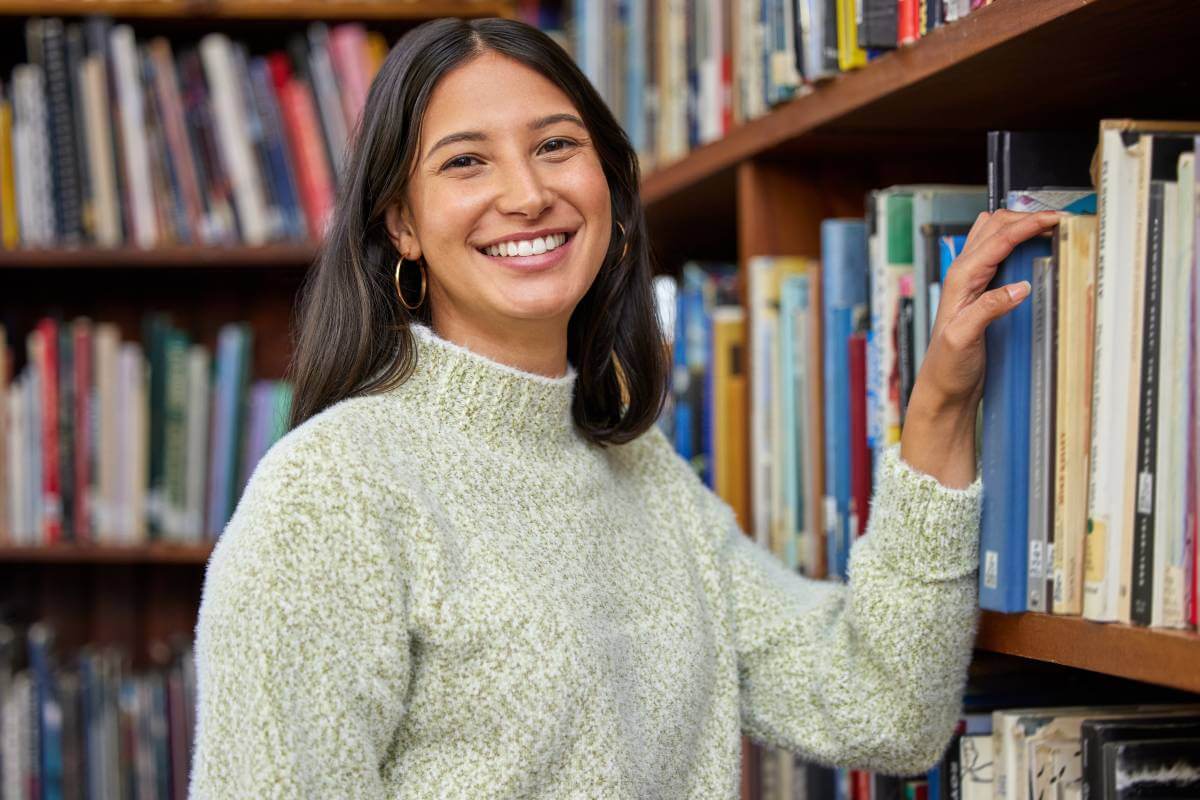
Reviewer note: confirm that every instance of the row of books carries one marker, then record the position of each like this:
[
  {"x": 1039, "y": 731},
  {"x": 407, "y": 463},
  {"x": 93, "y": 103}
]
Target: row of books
[
  {"x": 1036, "y": 753},
  {"x": 681, "y": 73},
  {"x": 1090, "y": 407},
  {"x": 107, "y": 141},
  {"x": 89, "y": 725},
  {"x": 107, "y": 441}
]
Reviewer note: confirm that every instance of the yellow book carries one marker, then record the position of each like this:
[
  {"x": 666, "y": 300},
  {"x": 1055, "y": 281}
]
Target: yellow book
[
  {"x": 729, "y": 395},
  {"x": 1076, "y": 247},
  {"x": 850, "y": 55},
  {"x": 377, "y": 50},
  {"x": 10, "y": 232}
]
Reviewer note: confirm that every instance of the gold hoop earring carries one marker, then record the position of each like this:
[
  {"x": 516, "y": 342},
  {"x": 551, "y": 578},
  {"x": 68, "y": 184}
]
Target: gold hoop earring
[
  {"x": 625, "y": 242},
  {"x": 400, "y": 294}
]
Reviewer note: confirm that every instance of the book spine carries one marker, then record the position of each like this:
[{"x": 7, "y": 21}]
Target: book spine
[
  {"x": 47, "y": 330},
  {"x": 860, "y": 452},
  {"x": 1005, "y": 458},
  {"x": 82, "y": 377},
  {"x": 1142, "y": 579},
  {"x": 906, "y": 22},
  {"x": 1037, "y": 437},
  {"x": 60, "y": 117}
]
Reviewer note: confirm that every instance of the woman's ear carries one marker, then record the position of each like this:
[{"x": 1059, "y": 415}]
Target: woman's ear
[{"x": 400, "y": 231}]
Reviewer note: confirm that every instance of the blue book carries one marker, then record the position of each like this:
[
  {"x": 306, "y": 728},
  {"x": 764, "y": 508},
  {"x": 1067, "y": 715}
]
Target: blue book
[
  {"x": 844, "y": 278},
  {"x": 1004, "y": 540},
  {"x": 793, "y": 301},
  {"x": 679, "y": 379},
  {"x": 949, "y": 248}
]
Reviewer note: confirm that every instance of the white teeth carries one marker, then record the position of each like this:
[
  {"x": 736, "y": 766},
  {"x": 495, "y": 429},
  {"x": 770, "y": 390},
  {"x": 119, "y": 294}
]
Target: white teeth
[{"x": 527, "y": 247}]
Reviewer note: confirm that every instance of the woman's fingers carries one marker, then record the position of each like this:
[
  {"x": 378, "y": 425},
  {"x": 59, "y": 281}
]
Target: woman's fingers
[
  {"x": 967, "y": 328},
  {"x": 976, "y": 266}
]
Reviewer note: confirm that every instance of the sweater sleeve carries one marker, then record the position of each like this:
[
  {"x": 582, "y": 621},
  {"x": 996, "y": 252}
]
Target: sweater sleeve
[
  {"x": 867, "y": 674},
  {"x": 302, "y": 650}
]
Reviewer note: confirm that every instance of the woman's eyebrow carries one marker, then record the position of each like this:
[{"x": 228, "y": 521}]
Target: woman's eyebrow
[{"x": 480, "y": 136}]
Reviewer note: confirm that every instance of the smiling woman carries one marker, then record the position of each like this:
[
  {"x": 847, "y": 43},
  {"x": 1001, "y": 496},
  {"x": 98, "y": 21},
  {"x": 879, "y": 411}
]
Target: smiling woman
[
  {"x": 476, "y": 568},
  {"x": 477, "y": 135}
]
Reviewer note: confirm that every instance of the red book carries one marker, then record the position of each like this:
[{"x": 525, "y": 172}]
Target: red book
[
  {"x": 300, "y": 125},
  {"x": 81, "y": 330},
  {"x": 860, "y": 785},
  {"x": 46, "y": 353},
  {"x": 908, "y": 21},
  {"x": 348, "y": 52},
  {"x": 860, "y": 451}
]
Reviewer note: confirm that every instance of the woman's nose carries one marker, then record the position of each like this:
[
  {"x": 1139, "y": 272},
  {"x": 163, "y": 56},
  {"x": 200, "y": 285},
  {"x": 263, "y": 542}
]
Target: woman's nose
[{"x": 524, "y": 191}]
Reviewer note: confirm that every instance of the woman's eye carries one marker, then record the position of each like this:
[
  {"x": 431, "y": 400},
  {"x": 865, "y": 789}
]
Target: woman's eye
[
  {"x": 458, "y": 162},
  {"x": 556, "y": 145}
]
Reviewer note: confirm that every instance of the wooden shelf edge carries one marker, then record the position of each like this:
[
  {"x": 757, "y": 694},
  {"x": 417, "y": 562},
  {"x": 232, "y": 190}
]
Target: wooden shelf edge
[
  {"x": 150, "y": 553},
  {"x": 1164, "y": 657},
  {"x": 287, "y": 255},
  {"x": 415, "y": 10},
  {"x": 947, "y": 46}
]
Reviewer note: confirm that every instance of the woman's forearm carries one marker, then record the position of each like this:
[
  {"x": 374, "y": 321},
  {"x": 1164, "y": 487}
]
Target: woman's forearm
[{"x": 939, "y": 439}]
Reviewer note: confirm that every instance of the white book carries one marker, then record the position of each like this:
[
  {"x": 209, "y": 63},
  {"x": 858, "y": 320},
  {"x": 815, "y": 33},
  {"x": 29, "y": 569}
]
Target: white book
[
  {"x": 216, "y": 54},
  {"x": 106, "y": 203},
  {"x": 16, "y": 523},
  {"x": 760, "y": 274},
  {"x": 1108, "y": 515},
  {"x": 1168, "y": 567},
  {"x": 135, "y": 148},
  {"x": 31, "y": 158},
  {"x": 199, "y": 389},
  {"x": 325, "y": 88},
  {"x": 33, "y": 456},
  {"x": 978, "y": 766},
  {"x": 105, "y": 375}
]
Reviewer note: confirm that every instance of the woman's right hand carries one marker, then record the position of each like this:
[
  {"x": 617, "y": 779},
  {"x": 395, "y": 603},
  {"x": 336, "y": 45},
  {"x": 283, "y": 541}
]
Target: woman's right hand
[{"x": 939, "y": 427}]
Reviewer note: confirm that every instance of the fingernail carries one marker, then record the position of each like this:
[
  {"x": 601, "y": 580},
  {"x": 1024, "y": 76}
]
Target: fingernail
[{"x": 1017, "y": 291}]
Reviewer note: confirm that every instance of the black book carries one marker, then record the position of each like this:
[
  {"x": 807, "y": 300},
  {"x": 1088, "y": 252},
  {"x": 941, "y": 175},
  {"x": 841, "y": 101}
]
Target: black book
[
  {"x": 905, "y": 356},
  {"x": 60, "y": 119},
  {"x": 66, "y": 427},
  {"x": 877, "y": 27},
  {"x": 1162, "y": 769},
  {"x": 75, "y": 54},
  {"x": 1037, "y": 160},
  {"x": 1095, "y": 733},
  {"x": 1163, "y": 157}
]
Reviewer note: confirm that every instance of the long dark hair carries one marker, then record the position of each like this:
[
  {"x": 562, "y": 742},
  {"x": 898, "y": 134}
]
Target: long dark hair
[{"x": 353, "y": 334}]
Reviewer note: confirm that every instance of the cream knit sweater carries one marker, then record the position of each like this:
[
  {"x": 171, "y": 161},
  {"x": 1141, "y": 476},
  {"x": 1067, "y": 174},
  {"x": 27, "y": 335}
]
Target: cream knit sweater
[{"x": 443, "y": 591}]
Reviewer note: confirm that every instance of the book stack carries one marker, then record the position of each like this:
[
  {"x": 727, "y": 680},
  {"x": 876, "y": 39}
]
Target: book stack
[
  {"x": 90, "y": 726},
  {"x": 104, "y": 441},
  {"x": 1086, "y": 752},
  {"x": 681, "y": 73},
  {"x": 106, "y": 141}
]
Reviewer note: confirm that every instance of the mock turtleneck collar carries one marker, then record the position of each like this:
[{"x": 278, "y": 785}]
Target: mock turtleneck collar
[{"x": 497, "y": 403}]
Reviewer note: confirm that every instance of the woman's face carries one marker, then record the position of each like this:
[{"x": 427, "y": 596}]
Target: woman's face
[{"x": 507, "y": 203}]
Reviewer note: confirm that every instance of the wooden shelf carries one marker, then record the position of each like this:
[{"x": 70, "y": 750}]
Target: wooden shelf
[
  {"x": 287, "y": 255},
  {"x": 1012, "y": 64},
  {"x": 264, "y": 9},
  {"x": 151, "y": 553},
  {"x": 1168, "y": 658}
]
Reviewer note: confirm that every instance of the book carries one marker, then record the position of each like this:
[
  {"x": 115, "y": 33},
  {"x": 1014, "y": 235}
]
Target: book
[
  {"x": 1075, "y": 245},
  {"x": 843, "y": 281},
  {"x": 1005, "y": 459},
  {"x": 1019, "y": 160}
]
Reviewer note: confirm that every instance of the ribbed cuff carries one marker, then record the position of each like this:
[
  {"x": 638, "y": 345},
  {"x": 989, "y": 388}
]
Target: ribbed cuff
[{"x": 922, "y": 527}]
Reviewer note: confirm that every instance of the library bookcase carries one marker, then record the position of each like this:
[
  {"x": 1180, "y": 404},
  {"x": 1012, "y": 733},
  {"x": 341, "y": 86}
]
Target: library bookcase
[{"x": 916, "y": 114}]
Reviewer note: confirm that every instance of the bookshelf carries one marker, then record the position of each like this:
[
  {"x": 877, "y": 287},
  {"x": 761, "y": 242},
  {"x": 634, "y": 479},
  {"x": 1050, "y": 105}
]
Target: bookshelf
[
  {"x": 915, "y": 114},
  {"x": 920, "y": 114}
]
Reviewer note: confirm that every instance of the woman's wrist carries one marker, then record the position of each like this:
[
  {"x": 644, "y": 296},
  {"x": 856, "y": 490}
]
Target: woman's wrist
[{"x": 939, "y": 438}]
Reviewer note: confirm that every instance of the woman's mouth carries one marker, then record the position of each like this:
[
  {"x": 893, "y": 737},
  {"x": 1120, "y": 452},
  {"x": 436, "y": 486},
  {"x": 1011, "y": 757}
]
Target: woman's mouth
[{"x": 536, "y": 253}]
